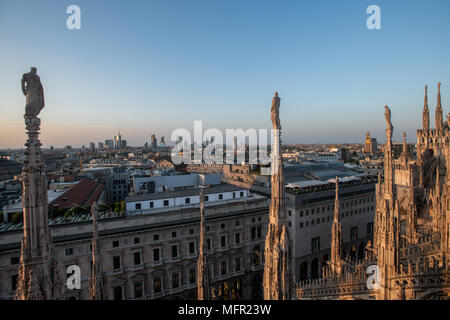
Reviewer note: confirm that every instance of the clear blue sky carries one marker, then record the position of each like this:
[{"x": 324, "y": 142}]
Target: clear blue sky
[{"x": 152, "y": 66}]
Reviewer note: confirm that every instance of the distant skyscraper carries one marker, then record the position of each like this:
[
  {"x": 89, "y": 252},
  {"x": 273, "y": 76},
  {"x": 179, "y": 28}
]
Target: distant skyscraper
[
  {"x": 124, "y": 144},
  {"x": 92, "y": 146},
  {"x": 153, "y": 142},
  {"x": 118, "y": 141},
  {"x": 100, "y": 145},
  {"x": 109, "y": 144},
  {"x": 370, "y": 146},
  {"x": 162, "y": 143}
]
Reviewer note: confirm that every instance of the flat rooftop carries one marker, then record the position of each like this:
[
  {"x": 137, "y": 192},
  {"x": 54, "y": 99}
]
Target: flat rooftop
[{"x": 219, "y": 188}]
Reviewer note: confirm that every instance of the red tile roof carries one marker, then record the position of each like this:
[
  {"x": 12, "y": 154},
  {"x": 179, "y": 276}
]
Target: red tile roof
[{"x": 83, "y": 193}]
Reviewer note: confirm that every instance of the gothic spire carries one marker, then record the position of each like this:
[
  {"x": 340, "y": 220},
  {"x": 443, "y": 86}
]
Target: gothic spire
[
  {"x": 277, "y": 281},
  {"x": 336, "y": 201},
  {"x": 405, "y": 145},
  {"x": 203, "y": 291},
  {"x": 336, "y": 236},
  {"x": 388, "y": 158},
  {"x": 439, "y": 109},
  {"x": 36, "y": 277},
  {"x": 96, "y": 277},
  {"x": 426, "y": 113}
]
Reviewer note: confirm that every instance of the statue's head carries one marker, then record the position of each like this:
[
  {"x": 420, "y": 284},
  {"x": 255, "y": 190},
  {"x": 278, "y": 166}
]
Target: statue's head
[
  {"x": 276, "y": 93},
  {"x": 33, "y": 69}
]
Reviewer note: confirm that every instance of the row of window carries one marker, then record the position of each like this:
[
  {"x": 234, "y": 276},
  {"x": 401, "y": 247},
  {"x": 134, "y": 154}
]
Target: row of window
[
  {"x": 328, "y": 218},
  {"x": 174, "y": 280},
  {"x": 315, "y": 242},
  {"x": 175, "y": 249},
  {"x": 187, "y": 200},
  {"x": 329, "y": 208},
  {"x": 175, "y": 277},
  {"x": 256, "y": 232}
]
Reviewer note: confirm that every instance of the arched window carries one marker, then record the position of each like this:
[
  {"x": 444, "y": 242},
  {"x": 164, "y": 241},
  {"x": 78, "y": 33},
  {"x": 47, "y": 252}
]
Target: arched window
[
  {"x": 175, "y": 280},
  {"x": 156, "y": 285},
  {"x": 117, "y": 291}
]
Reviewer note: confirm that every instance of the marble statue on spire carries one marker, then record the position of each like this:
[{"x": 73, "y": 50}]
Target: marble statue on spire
[
  {"x": 275, "y": 111},
  {"x": 387, "y": 115},
  {"x": 34, "y": 93}
]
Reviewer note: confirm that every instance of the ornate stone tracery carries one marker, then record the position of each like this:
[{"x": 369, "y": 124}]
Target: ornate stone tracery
[{"x": 411, "y": 225}]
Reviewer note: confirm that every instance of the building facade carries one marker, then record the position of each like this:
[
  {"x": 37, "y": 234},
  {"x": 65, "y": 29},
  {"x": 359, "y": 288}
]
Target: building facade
[
  {"x": 117, "y": 186},
  {"x": 310, "y": 211},
  {"x": 152, "y": 254}
]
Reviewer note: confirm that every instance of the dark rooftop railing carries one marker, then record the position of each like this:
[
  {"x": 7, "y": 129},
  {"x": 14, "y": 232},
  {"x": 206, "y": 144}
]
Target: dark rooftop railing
[{"x": 331, "y": 186}]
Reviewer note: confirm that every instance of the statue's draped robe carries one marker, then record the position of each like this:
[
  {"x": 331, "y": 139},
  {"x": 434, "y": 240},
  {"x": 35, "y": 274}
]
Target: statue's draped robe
[{"x": 34, "y": 93}]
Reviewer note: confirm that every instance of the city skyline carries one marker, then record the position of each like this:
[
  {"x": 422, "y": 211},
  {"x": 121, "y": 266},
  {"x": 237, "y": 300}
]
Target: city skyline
[
  {"x": 224, "y": 150},
  {"x": 138, "y": 68}
]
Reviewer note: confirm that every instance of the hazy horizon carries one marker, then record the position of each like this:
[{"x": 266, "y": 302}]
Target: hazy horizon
[{"x": 151, "y": 67}]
